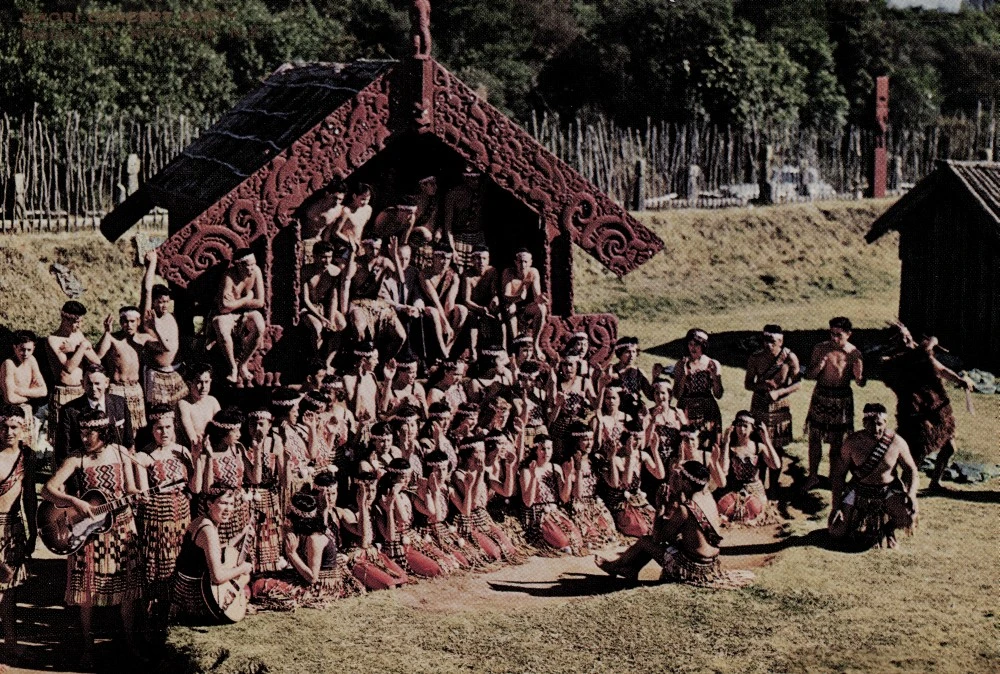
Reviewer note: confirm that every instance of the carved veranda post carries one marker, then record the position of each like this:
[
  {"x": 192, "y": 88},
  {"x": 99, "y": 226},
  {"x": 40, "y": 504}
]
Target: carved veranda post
[
  {"x": 878, "y": 166},
  {"x": 420, "y": 84}
]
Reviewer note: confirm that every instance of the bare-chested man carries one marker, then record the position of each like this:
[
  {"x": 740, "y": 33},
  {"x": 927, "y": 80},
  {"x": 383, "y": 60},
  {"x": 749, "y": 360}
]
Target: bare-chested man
[
  {"x": 439, "y": 285},
  {"x": 401, "y": 388},
  {"x": 773, "y": 376},
  {"x": 480, "y": 294},
  {"x": 17, "y": 489},
  {"x": 525, "y": 306},
  {"x": 324, "y": 302},
  {"x": 834, "y": 363},
  {"x": 21, "y": 379},
  {"x": 239, "y": 324},
  {"x": 66, "y": 349},
  {"x": 462, "y": 224},
  {"x": 120, "y": 353},
  {"x": 369, "y": 314},
  {"x": 363, "y": 389},
  {"x": 198, "y": 408},
  {"x": 325, "y": 211},
  {"x": 163, "y": 384},
  {"x": 869, "y": 509},
  {"x": 349, "y": 226}
]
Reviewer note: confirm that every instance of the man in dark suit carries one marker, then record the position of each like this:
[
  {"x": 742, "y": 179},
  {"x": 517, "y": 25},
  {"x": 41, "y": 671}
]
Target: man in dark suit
[{"x": 95, "y": 396}]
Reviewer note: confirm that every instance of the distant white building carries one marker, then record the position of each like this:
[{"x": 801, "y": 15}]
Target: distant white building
[{"x": 942, "y": 5}]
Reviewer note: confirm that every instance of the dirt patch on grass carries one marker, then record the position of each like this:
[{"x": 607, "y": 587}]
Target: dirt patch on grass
[{"x": 556, "y": 580}]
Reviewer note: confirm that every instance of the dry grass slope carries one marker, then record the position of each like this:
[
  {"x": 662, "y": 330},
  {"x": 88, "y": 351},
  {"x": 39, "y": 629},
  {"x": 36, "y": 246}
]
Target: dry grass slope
[
  {"x": 30, "y": 298},
  {"x": 716, "y": 260}
]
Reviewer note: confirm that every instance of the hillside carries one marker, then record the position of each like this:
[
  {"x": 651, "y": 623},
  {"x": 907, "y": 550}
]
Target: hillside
[
  {"x": 721, "y": 260},
  {"x": 30, "y": 297}
]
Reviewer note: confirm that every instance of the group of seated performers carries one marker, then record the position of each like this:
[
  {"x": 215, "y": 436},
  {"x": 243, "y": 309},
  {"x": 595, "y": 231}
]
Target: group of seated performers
[{"x": 430, "y": 434}]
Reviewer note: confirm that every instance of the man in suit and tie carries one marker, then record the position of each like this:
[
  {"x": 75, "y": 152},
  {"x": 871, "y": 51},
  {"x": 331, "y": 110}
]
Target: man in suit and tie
[{"x": 95, "y": 396}]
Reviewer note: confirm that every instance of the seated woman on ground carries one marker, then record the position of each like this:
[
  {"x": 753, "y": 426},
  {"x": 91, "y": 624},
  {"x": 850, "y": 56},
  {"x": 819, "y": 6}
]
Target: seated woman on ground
[
  {"x": 472, "y": 488},
  {"x": 626, "y": 461},
  {"x": 578, "y": 490},
  {"x": 736, "y": 469},
  {"x": 312, "y": 547},
  {"x": 545, "y": 524},
  {"x": 201, "y": 553},
  {"x": 368, "y": 564}
]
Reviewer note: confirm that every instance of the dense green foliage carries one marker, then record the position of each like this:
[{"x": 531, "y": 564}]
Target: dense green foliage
[{"x": 742, "y": 62}]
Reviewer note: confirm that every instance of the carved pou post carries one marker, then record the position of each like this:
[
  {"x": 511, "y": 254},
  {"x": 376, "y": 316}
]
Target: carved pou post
[
  {"x": 420, "y": 28},
  {"x": 878, "y": 167},
  {"x": 420, "y": 84}
]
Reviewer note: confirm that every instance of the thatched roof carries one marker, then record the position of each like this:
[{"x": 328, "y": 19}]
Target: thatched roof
[{"x": 979, "y": 181}]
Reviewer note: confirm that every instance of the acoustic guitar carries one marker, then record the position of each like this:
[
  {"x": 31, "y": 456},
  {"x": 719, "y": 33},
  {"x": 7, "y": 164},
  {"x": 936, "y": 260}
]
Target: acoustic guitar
[
  {"x": 227, "y": 602},
  {"x": 63, "y": 530}
]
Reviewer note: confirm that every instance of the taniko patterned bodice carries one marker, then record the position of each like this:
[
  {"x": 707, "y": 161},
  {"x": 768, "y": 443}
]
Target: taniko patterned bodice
[
  {"x": 166, "y": 471},
  {"x": 698, "y": 384},
  {"x": 227, "y": 470}
]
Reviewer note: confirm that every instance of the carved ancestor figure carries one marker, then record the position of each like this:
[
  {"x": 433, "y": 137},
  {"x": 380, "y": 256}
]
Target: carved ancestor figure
[{"x": 420, "y": 27}]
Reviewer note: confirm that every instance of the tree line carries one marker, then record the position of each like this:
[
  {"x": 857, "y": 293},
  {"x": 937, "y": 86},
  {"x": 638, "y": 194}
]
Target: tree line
[{"x": 748, "y": 64}]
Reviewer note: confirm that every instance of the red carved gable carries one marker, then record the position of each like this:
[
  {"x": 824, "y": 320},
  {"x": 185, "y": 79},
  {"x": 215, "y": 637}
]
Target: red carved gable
[{"x": 360, "y": 128}]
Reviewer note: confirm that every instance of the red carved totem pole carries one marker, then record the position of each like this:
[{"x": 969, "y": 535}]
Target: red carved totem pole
[{"x": 878, "y": 168}]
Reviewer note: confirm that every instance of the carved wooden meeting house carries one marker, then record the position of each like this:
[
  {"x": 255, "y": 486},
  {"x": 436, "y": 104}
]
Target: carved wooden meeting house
[{"x": 246, "y": 181}]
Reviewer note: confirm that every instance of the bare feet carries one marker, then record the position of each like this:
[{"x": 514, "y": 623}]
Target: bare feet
[
  {"x": 245, "y": 373},
  {"x": 612, "y": 569}
]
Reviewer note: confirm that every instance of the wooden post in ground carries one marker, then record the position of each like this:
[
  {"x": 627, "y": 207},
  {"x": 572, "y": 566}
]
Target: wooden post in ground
[
  {"x": 764, "y": 177},
  {"x": 132, "y": 173},
  {"x": 693, "y": 184},
  {"x": 639, "y": 190},
  {"x": 20, "y": 198},
  {"x": 877, "y": 166}
]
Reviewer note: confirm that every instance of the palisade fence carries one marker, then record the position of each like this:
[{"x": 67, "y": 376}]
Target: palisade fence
[
  {"x": 65, "y": 173},
  {"x": 729, "y": 161}
]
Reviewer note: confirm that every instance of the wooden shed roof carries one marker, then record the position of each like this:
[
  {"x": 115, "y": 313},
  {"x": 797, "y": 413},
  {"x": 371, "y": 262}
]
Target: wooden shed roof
[{"x": 977, "y": 180}]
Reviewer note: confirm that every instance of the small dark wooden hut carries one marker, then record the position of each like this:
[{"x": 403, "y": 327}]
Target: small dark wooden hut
[
  {"x": 244, "y": 181},
  {"x": 949, "y": 245}
]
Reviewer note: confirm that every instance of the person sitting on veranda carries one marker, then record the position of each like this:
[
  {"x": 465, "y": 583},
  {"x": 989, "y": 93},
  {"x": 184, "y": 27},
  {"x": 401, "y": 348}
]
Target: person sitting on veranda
[
  {"x": 324, "y": 299},
  {"x": 868, "y": 510},
  {"x": 525, "y": 305},
  {"x": 238, "y": 324},
  {"x": 685, "y": 538},
  {"x": 350, "y": 224}
]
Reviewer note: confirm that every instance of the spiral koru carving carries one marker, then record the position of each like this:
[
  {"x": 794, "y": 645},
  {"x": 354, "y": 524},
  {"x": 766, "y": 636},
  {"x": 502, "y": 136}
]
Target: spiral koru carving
[{"x": 601, "y": 329}]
